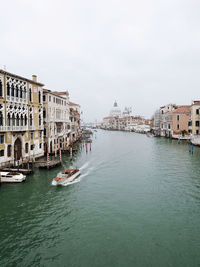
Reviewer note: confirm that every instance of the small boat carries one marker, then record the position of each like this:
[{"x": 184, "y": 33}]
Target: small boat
[
  {"x": 12, "y": 177},
  {"x": 66, "y": 176}
]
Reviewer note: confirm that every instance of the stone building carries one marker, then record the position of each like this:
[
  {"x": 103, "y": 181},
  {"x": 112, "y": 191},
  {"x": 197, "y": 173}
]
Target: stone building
[
  {"x": 194, "y": 124},
  {"x": 21, "y": 118},
  {"x": 75, "y": 122},
  {"x": 57, "y": 127},
  {"x": 180, "y": 122}
]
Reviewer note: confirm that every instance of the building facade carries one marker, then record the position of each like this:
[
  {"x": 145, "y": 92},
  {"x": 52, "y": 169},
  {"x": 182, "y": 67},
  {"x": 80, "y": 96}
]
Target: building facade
[
  {"x": 21, "y": 118},
  {"x": 57, "y": 127}
]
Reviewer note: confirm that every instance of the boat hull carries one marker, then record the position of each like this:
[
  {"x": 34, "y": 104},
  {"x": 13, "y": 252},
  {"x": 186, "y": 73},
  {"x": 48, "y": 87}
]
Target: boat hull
[
  {"x": 16, "y": 178},
  {"x": 66, "y": 180}
]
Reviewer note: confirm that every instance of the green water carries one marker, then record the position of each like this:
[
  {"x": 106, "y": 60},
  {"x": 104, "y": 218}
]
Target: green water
[{"x": 136, "y": 204}]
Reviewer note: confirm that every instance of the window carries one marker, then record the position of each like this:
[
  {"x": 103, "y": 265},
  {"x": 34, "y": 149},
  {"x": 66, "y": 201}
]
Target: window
[
  {"x": 40, "y": 120},
  {"x": 1, "y": 88},
  {"x": 40, "y": 134},
  {"x": 177, "y": 117},
  {"x": 54, "y": 100},
  {"x": 197, "y": 123},
  {"x": 1, "y": 139},
  {"x": 12, "y": 90},
  {"x": 1, "y": 118},
  {"x": 26, "y": 148},
  {"x": 44, "y": 98},
  {"x": 189, "y": 123},
  {"x": 31, "y": 136},
  {"x": 30, "y": 95},
  {"x": 31, "y": 120},
  {"x": 20, "y": 92},
  {"x": 45, "y": 131},
  {"x": 8, "y": 89},
  {"x": 197, "y": 111},
  {"x": 17, "y": 91},
  {"x": 32, "y": 147},
  {"x": 169, "y": 126},
  {"x": 197, "y": 131},
  {"x": 177, "y": 126},
  {"x": 40, "y": 146},
  {"x": 39, "y": 97},
  {"x": 49, "y": 98},
  {"x": 44, "y": 113},
  {"x": 1, "y": 153},
  {"x": 190, "y": 131},
  {"x": 9, "y": 150}
]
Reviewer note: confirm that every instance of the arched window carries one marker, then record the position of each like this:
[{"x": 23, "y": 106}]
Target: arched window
[
  {"x": 1, "y": 88},
  {"x": 12, "y": 90},
  {"x": 9, "y": 122},
  {"x": 20, "y": 92},
  {"x": 30, "y": 95},
  {"x": 40, "y": 120},
  {"x": 31, "y": 120},
  {"x": 25, "y": 120},
  {"x": 22, "y": 120},
  {"x": 8, "y": 89},
  {"x": 39, "y": 97},
  {"x": 17, "y": 120},
  {"x": 17, "y": 91},
  {"x": 25, "y": 93},
  {"x": 13, "y": 120},
  {"x": 1, "y": 118}
]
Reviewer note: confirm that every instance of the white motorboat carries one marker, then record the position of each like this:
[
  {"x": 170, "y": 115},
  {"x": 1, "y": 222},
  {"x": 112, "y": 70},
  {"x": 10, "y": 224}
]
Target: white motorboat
[
  {"x": 12, "y": 177},
  {"x": 66, "y": 177}
]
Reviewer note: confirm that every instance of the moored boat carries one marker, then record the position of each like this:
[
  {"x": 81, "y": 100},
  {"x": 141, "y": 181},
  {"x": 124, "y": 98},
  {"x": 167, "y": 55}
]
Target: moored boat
[
  {"x": 66, "y": 176},
  {"x": 12, "y": 177}
]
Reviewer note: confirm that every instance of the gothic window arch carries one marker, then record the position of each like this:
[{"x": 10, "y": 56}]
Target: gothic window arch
[
  {"x": 8, "y": 89},
  {"x": 22, "y": 120},
  {"x": 1, "y": 88},
  {"x": 12, "y": 90},
  {"x": 17, "y": 120},
  {"x": 13, "y": 119},
  {"x": 21, "y": 92},
  {"x": 44, "y": 113},
  {"x": 1, "y": 118},
  {"x": 17, "y": 91},
  {"x": 25, "y": 120},
  {"x": 9, "y": 120}
]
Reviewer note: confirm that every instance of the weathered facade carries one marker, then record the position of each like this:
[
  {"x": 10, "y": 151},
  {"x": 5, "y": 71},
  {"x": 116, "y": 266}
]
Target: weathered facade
[{"x": 56, "y": 120}]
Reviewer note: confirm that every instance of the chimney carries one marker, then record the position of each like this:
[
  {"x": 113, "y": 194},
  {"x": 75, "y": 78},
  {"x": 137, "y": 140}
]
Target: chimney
[{"x": 34, "y": 78}]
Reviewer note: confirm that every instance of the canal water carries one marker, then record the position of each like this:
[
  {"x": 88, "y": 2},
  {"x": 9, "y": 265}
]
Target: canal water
[{"x": 137, "y": 203}]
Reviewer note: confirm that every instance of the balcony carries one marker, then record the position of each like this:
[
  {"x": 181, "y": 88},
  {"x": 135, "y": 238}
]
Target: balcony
[
  {"x": 16, "y": 99},
  {"x": 13, "y": 128}
]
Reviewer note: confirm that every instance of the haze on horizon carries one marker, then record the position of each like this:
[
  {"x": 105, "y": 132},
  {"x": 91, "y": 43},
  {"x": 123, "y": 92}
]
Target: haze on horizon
[{"x": 143, "y": 54}]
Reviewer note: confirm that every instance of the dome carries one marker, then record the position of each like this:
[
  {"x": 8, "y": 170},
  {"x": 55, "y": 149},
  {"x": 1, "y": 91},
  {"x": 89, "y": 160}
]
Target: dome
[{"x": 115, "y": 111}]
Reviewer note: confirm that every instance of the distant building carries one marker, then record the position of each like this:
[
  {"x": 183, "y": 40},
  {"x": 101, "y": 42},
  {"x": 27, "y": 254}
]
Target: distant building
[{"x": 115, "y": 111}]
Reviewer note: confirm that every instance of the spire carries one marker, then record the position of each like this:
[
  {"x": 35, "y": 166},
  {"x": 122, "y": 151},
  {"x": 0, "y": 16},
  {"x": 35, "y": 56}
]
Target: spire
[{"x": 115, "y": 104}]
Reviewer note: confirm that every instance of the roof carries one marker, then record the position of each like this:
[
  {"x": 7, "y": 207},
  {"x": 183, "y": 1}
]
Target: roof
[
  {"x": 182, "y": 109},
  {"x": 53, "y": 93},
  {"x": 196, "y": 102},
  {"x": 73, "y": 104},
  {"x": 60, "y": 93},
  {"x": 20, "y": 77}
]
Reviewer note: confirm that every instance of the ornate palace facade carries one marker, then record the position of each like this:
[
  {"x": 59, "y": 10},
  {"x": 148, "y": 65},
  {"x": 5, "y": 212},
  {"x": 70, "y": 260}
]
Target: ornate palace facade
[{"x": 21, "y": 118}]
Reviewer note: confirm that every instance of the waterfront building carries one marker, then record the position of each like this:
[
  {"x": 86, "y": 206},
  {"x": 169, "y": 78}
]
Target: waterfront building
[
  {"x": 180, "y": 122},
  {"x": 194, "y": 123},
  {"x": 56, "y": 120},
  {"x": 75, "y": 122},
  {"x": 21, "y": 118}
]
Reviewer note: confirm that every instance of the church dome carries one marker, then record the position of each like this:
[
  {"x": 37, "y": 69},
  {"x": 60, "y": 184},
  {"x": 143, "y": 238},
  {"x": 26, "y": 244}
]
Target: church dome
[{"x": 115, "y": 111}]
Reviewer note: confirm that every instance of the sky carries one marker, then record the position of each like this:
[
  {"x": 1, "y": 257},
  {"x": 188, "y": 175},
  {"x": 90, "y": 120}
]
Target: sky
[{"x": 143, "y": 54}]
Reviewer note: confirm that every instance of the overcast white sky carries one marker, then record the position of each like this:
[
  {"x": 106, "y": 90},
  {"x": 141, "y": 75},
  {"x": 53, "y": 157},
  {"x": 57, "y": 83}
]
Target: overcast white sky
[{"x": 141, "y": 53}]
